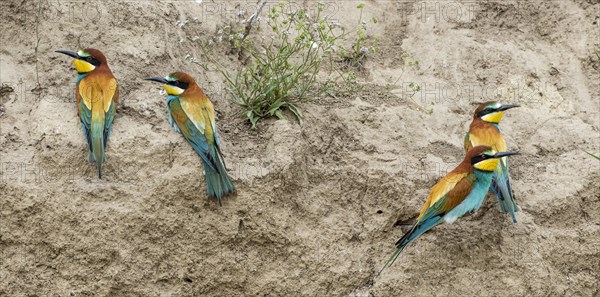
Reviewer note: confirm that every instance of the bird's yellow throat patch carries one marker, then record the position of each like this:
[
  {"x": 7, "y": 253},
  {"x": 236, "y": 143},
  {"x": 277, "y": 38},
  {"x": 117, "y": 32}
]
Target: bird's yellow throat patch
[
  {"x": 494, "y": 117},
  {"x": 172, "y": 90},
  {"x": 83, "y": 66},
  {"x": 487, "y": 165}
]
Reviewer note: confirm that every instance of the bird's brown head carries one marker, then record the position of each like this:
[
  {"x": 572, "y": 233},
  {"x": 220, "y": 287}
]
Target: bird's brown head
[
  {"x": 484, "y": 158},
  {"x": 492, "y": 111},
  {"x": 86, "y": 60},
  {"x": 175, "y": 83}
]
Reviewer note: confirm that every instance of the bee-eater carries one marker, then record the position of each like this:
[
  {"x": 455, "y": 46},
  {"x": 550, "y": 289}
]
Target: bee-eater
[
  {"x": 484, "y": 130},
  {"x": 460, "y": 191},
  {"x": 193, "y": 115},
  {"x": 97, "y": 96}
]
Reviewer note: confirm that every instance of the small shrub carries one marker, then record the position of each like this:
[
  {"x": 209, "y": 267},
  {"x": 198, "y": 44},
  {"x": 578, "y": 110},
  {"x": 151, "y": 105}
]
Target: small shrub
[
  {"x": 288, "y": 67},
  {"x": 362, "y": 46},
  {"x": 284, "y": 72}
]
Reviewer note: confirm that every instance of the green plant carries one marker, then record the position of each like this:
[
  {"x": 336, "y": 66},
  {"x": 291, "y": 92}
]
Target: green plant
[
  {"x": 283, "y": 72},
  {"x": 362, "y": 46},
  {"x": 298, "y": 61},
  {"x": 597, "y": 157},
  {"x": 416, "y": 88},
  {"x": 411, "y": 62}
]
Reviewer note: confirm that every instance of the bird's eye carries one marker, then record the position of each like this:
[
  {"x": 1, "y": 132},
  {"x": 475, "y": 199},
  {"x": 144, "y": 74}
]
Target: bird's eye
[
  {"x": 89, "y": 59},
  {"x": 483, "y": 157}
]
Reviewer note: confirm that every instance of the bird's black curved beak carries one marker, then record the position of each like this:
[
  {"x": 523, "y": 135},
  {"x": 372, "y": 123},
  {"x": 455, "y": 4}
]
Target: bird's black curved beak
[
  {"x": 504, "y": 154},
  {"x": 69, "y": 53},
  {"x": 157, "y": 79},
  {"x": 507, "y": 106}
]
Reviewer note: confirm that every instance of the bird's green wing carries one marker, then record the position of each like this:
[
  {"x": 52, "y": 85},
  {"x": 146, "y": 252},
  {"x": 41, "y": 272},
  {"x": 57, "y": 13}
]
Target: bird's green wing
[
  {"x": 110, "y": 115},
  {"x": 443, "y": 187},
  {"x": 194, "y": 112},
  {"x": 189, "y": 130},
  {"x": 85, "y": 116},
  {"x": 453, "y": 197}
]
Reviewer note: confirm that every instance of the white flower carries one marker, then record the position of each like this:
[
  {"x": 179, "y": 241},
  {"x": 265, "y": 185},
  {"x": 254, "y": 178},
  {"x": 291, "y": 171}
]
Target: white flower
[{"x": 364, "y": 50}]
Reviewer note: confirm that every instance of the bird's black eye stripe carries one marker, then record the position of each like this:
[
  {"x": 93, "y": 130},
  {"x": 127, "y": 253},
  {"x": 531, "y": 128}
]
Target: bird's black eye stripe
[
  {"x": 485, "y": 111},
  {"x": 179, "y": 84},
  {"x": 478, "y": 159},
  {"x": 92, "y": 60}
]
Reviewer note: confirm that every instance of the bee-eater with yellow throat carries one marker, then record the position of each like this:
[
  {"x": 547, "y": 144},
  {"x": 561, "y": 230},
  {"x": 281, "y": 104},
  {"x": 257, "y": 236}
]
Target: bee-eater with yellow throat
[
  {"x": 461, "y": 191},
  {"x": 97, "y": 95},
  {"x": 193, "y": 115},
  {"x": 484, "y": 130}
]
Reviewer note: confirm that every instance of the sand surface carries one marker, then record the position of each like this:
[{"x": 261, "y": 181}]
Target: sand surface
[{"x": 319, "y": 207}]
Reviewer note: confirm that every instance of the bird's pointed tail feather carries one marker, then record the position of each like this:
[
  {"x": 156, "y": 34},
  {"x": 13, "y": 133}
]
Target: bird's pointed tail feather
[
  {"x": 218, "y": 182},
  {"x": 97, "y": 135},
  {"x": 501, "y": 187},
  {"x": 391, "y": 259},
  {"x": 416, "y": 231}
]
